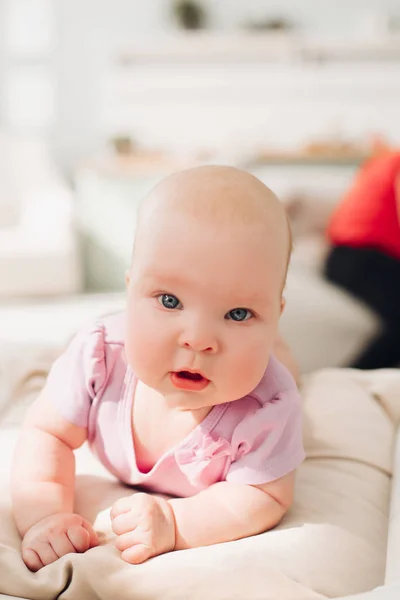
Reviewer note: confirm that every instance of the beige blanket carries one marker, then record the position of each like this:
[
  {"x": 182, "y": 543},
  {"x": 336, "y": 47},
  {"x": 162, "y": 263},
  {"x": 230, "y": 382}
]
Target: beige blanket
[{"x": 331, "y": 544}]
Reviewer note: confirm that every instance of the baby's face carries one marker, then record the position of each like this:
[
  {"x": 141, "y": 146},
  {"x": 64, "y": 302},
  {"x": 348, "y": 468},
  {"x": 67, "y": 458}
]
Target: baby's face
[{"x": 204, "y": 303}]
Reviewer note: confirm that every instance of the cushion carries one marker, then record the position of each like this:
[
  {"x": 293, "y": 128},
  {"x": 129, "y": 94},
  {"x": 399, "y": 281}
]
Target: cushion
[
  {"x": 323, "y": 325},
  {"x": 331, "y": 544}
]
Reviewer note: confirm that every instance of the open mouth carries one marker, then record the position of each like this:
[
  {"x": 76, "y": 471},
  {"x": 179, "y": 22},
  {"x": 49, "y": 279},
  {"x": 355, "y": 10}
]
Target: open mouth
[
  {"x": 188, "y": 375},
  {"x": 185, "y": 380}
]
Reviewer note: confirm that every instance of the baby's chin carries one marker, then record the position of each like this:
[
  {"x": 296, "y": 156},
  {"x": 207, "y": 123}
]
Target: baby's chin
[{"x": 193, "y": 401}]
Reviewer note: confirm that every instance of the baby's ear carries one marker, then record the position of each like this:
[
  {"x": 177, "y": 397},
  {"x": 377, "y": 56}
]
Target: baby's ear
[
  {"x": 127, "y": 278},
  {"x": 283, "y": 304}
]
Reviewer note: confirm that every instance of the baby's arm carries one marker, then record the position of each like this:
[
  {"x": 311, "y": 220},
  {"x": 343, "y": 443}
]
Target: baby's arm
[
  {"x": 229, "y": 511},
  {"x": 148, "y": 525},
  {"x": 43, "y": 480}
]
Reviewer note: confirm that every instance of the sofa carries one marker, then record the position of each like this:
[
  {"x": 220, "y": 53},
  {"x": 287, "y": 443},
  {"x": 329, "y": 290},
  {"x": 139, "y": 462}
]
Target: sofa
[{"x": 39, "y": 251}]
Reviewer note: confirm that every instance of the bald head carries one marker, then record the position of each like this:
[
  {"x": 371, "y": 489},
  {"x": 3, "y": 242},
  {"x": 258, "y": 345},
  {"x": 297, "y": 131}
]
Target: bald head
[{"x": 219, "y": 195}]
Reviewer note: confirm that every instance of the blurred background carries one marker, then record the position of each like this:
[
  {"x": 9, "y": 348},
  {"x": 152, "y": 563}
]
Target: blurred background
[{"x": 101, "y": 98}]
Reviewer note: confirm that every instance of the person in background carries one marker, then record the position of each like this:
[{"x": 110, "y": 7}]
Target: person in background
[{"x": 364, "y": 259}]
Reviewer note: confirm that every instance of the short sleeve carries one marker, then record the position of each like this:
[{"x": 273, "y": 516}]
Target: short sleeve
[
  {"x": 77, "y": 375},
  {"x": 268, "y": 443}
]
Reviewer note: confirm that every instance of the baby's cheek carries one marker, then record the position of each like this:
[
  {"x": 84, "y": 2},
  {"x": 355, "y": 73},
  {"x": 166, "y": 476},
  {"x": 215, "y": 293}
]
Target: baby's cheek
[
  {"x": 138, "y": 340},
  {"x": 147, "y": 348},
  {"x": 249, "y": 366}
]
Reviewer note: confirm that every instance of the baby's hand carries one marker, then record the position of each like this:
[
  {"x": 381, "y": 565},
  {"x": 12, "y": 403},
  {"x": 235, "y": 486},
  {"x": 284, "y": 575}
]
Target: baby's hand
[
  {"x": 52, "y": 537},
  {"x": 144, "y": 525}
]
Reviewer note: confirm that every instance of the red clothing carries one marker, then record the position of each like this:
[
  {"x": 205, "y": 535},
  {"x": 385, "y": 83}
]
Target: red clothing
[{"x": 368, "y": 217}]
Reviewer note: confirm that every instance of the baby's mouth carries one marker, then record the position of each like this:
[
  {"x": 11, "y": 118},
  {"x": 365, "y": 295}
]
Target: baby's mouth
[
  {"x": 189, "y": 375},
  {"x": 186, "y": 380}
]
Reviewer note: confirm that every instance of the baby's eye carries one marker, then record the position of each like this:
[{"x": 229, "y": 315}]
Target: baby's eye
[
  {"x": 169, "y": 301},
  {"x": 239, "y": 314}
]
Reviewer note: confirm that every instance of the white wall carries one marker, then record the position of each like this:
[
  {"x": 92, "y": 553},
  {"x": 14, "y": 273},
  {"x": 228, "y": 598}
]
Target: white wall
[
  {"x": 123, "y": 17},
  {"x": 240, "y": 108},
  {"x": 325, "y": 16},
  {"x": 2, "y": 54},
  {"x": 91, "y": 32}
]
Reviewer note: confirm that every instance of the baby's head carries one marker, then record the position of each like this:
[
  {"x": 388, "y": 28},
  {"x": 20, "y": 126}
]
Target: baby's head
[{"x": 205, "y": 286}]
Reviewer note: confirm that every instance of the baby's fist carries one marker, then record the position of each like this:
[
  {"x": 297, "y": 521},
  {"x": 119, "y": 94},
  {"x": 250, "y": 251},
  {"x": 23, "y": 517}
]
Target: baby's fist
[
  {"x": 144, "y": 526},
  {"x": 53, "y": 537}
]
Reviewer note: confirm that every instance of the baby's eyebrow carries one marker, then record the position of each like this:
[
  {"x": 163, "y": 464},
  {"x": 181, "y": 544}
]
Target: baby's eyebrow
[
  {"x": 164, "y": 278},
  {"x": 252, "y": 300},
  {"x": 233, "y": 299}
]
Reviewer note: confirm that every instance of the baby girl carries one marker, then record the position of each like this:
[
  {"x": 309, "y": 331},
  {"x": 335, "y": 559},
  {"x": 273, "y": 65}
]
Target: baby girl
[{"x": 181, "y": 394}]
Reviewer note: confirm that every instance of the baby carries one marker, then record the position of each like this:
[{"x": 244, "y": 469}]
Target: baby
[{"x": 180, "y": 394}]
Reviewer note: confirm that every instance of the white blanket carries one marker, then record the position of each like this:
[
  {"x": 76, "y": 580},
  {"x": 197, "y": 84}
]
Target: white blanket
[{"x": 331, "y": 544}]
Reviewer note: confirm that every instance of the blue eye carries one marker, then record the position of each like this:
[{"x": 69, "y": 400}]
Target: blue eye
[
  {"x": 239, "y": 314},
  {"x": 169, "y": 301}
]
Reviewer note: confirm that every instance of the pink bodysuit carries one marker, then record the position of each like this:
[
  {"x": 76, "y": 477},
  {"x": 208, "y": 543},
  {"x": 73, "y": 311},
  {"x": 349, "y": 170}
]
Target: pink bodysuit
[{"x": 253, "y": 440}]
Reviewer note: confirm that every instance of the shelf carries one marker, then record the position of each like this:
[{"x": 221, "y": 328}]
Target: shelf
[
  {"x": 310, "y": 159},
  {"x": 143, "y": 165},
  {"x": 214, "y": 47}
]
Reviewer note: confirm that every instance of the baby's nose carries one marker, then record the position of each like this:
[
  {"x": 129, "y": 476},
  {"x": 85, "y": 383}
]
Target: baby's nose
[
  {"x": 199, "y": 340},
  {"x": 199, "y": 347}
]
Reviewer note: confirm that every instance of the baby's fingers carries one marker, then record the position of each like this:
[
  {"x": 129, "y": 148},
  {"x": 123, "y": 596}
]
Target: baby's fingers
[
  {"x": 31, "y": 559},
  {"x": 79, "y": 538},
  {"x": 61, "y": 544},
  {"x": 45, "y": 552},
  {"x": 93, "y": 539},
  {"x": 137, "y": 554},
  {"x": 121, "y": 506},
  {"x": 123, "y": 523},
  {"x": 133, "y": 538}
]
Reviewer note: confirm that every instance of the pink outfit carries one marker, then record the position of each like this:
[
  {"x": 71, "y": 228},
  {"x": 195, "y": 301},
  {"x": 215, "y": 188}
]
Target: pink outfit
[{"x": 253, "y": 440}]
